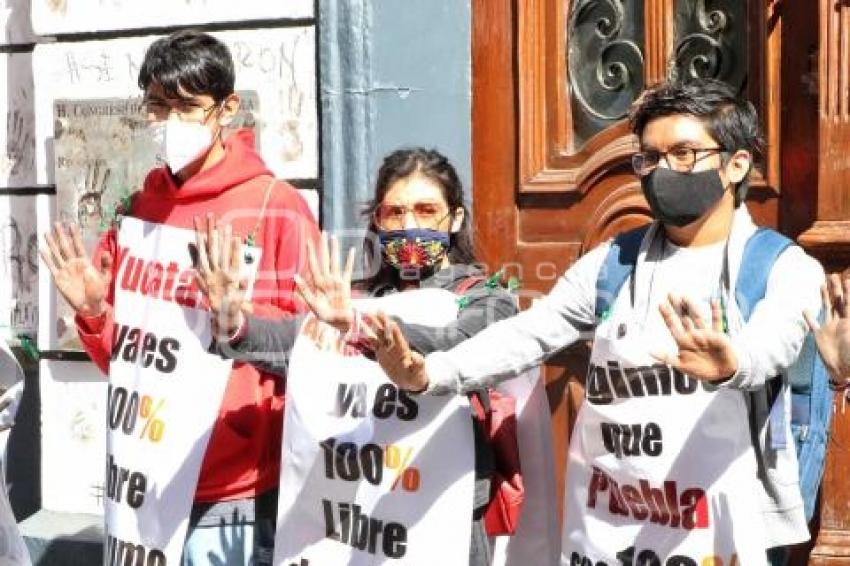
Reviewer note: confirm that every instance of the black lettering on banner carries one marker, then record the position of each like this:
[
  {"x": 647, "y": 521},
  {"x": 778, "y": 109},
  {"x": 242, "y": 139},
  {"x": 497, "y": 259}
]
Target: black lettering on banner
[
  {"x": 685, "y": 384},
  {"x": 123, "y": 409},
  {"x": 349, "y": 463},
  {"x": 167, "y": 361},
  {"x": 119, "y": 332},
  {"x": 391, "y": 400},
  {"x": 344, "y": 522},
  {"x": 577, "y": 559},
  {"x": 618, "y": 380},
  {"x": 132, "y": 346},
  {"x": 131, "y": 349},
  {"x": 605, "y": 383},
  {"x": 649, "y": 557},
  {"x": 624, "y": 440},
  {"x": 598, "y": 389},
  {"x": 125, "y": 553},
  {"x": 149, "y": 346},
  {"x": 124, "y": 484},
  {"x": 351, "y": 396}
]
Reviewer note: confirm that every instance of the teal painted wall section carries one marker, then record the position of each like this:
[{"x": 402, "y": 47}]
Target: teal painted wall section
[{"x": 392, "y": 73}]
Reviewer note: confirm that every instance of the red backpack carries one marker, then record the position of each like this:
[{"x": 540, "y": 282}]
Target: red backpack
[{"x": 496, "y": 415}]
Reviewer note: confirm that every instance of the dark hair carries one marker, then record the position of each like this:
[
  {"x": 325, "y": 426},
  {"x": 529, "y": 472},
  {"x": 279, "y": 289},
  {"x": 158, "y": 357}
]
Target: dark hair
[
  {"x": 432, "y": 165},
  {"x": 731, "y": 120},
  {"x": 193, "y": 60}
]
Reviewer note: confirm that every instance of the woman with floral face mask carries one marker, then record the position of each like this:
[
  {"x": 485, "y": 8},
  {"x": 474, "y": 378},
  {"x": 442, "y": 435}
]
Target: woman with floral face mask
[{"x": 418, "y": 237}]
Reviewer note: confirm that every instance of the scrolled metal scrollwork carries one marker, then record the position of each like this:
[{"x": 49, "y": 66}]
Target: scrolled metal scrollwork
[
  {"x": 605, "y": 61},
  {"x": 711, "y": 40}
]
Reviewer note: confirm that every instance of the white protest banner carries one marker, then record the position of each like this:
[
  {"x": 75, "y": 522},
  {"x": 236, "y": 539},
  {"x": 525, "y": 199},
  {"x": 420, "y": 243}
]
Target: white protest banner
[
  {"x": 371, "y": 474},
  {"x": 661, "y": 468},
  {"x": 13, "y": 551},
  {"x": 536, "y": 539},
  {"x": 165, "y": 391}
]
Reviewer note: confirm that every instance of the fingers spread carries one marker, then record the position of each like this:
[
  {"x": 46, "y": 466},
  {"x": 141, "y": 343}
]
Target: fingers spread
[
  {"x": 235, "y": 264},
  {"x": 349, "y": 267},
  {"x": 716, "y": 316},
  {"x": 828, "y": 306},
  {"x": 47, "y": 258},
  {"x": 77, "y": 240},
  {"x": 692, "y": 312},
  {"x": 204, "y": 266},
  {"x": 673, "y": 321},
  {"x": 106, "y": 260},
  {"x": 305, "y": 292},
  {"x": 63, "y": 241},
  {"x": 226, "y": 247},
  {"x": 324, "y": 255},
  {"x": 836, "y": 291},
  {"x": 334, "y": 259},
  {"x": 313, "y": 263},
  {"x": 50, "y": 242}
]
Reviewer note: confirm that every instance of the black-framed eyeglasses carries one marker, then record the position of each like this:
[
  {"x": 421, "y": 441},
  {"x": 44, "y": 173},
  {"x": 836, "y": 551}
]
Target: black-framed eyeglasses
[
  {"x": 186, "y": 111},
  {"x": 680, "y": 158}
]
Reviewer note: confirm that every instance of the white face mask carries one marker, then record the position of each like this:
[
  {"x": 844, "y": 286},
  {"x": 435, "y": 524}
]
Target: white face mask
[{"x": 181, "y": 143}]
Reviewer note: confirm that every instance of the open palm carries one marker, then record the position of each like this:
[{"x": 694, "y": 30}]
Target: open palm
[
  {"x": 833, "y": 336},
  {"x": 219, "y": 273},
  {"x": 704, "y": 352},
  {"x": 404, "y": 366},
  {"x": 327, "y": 291},
  {"x": 83, "y": 285}
]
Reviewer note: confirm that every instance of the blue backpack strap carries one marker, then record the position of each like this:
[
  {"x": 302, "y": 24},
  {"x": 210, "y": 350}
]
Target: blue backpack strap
[
  {"x": 811, "y": 398},
  {"x": 618, "y": 266},
  {"x": 760, "y": 253}
]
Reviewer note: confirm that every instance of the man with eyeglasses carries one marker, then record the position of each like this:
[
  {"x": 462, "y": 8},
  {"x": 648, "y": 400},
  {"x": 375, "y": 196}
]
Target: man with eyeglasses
[
  {"x": 679, "y": 454},
  {"x": 188, "y": 82}
]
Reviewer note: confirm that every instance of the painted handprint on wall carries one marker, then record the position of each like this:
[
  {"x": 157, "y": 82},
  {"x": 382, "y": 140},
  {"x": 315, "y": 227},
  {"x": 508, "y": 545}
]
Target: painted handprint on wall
[
  {"x": 18, "y": 267},
  {"x": 90, "y": 211},
  {"x": 17, "y": 162}
]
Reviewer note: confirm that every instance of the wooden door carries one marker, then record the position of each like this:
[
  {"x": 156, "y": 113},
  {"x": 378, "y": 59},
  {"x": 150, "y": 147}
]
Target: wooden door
[{"x": 552, "y": 82}]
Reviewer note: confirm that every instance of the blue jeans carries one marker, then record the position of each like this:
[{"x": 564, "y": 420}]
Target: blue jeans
[{"x": 232, "y": 533}]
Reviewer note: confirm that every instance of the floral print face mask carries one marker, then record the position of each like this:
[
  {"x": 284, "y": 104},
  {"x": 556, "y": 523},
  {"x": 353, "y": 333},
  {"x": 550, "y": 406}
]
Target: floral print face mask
[{"x": 418, "y": 249}]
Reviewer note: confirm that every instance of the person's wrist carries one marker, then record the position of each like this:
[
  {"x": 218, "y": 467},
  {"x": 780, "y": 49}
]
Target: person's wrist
[
  {"x": 350, "y": 325},
  {"x": 93, "y": 310},
  {"x": 419, "y": 385},
  {"x": 231, "y": 327}
]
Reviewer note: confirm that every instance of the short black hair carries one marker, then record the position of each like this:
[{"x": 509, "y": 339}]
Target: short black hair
[
  {"x": 728, "y": 118},
  {"x": 191, "y": 59}
]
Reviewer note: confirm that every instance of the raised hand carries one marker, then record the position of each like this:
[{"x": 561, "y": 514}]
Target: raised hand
[
  {"x": 404, "y": 367},
  {"x": 833, "y": 337},
  {"x": 327, "y": 291},
  {"x": 703, "y": 353},
  {"x": 218, "y": 274},
  {"x": 83, "y": 285}
]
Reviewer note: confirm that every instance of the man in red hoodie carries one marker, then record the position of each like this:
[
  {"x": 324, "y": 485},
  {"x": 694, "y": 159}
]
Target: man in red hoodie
[{"x": 188, "y": 83}]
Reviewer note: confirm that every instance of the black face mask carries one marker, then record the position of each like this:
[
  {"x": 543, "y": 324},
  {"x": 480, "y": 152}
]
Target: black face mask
[{"x": 678, "y": 199}]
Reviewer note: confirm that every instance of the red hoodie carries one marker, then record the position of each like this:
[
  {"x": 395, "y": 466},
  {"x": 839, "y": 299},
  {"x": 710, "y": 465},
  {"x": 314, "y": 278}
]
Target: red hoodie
[{"x": 243, "y": 455}]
